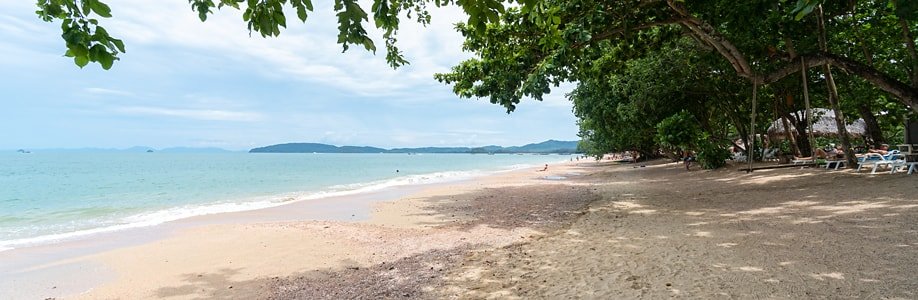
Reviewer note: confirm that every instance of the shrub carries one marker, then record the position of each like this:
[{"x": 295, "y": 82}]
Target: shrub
[
  {"x": 711, "y": 155},
  {"x": 678, "y": 131}
]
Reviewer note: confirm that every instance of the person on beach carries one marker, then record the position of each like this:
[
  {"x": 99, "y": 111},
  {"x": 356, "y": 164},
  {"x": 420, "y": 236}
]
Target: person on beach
[
  {"x": 687, "y": 158},
  {"x": 544, "y": 169},
  {"x": 884, "y": 149},
  {"x": 820, "y": 154},
  {"x": 837, "y": 153}
]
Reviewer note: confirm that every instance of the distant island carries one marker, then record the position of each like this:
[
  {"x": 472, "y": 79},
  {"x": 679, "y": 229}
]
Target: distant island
[{"x": 549, "y": 146}]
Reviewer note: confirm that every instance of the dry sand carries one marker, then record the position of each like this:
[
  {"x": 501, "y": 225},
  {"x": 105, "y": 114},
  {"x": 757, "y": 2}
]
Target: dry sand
[
  {"x": 661, "y": 232},
  {"x": 603, "y": 232}
]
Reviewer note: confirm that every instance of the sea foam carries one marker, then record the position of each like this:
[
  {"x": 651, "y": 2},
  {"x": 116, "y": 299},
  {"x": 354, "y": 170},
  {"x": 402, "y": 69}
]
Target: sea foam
[{"x": 187, "y": 211}]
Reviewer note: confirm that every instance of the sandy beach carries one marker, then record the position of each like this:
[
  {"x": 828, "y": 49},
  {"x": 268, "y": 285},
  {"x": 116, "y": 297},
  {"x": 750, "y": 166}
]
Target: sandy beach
[{"x": 583, "y": 229}]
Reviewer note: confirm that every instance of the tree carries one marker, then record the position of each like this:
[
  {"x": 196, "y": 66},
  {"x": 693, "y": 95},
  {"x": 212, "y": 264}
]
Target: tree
[{"x": 531, "y": 49}]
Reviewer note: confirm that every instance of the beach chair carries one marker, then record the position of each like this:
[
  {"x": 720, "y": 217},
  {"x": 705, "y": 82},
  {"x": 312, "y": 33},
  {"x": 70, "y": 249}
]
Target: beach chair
[
  {"x": 876, "y": 160},
  {"x": 898, "y": 162},
  {"x": 739, "y": 157},
  {"x": 912, "y": 167},
  {"x": 836, "y": 162},
  {"x": 769, "y": 154},
  {"x": 890, "y": 154},
  {"x": 870, "y": 159},
  {"x": 802, "y": 160}
]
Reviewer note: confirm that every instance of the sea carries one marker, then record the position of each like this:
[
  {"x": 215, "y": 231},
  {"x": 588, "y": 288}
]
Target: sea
[{"x": 52, "y": 197}]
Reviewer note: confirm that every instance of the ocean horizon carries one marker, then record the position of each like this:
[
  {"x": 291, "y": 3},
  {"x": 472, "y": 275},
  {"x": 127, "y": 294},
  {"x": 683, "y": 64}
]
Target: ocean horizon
[{"x": 53, "y": 197}]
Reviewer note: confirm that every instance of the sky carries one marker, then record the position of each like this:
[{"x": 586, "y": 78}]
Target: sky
[{"x": 187, "y": 83}]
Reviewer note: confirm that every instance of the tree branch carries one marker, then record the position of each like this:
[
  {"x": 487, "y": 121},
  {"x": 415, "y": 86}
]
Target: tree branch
[
  {"x": 617, "y": 31},
  {"x": 714, "y": 38},
  {"x": 907, "y": 94}
]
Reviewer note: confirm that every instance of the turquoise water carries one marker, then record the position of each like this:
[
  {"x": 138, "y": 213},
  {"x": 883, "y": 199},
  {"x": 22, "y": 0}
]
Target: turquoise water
[{"x": 47, "y": 197}]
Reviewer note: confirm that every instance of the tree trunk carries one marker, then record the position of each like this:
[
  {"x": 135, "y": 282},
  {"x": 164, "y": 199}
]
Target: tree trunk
[
  {"x": 874, "y": 133},
  {"x": 809, "y": 110},
  {"x": 790, "y": 137},
  {"x": 781, "y": 108},
  {"x": 803, "y": 139},
  {"x": 833, "y": 95}
]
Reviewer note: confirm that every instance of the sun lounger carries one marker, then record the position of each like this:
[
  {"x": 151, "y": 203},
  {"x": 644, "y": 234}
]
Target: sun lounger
[
  {"x": 770, "y": 154},
  {"x": 739, "y": 157},
  {"x": 837, "y": 163},
  {"x": 876, "y": 160},
  {"x": 870, "y": 159},
  {"x": 910, "y": 166}
]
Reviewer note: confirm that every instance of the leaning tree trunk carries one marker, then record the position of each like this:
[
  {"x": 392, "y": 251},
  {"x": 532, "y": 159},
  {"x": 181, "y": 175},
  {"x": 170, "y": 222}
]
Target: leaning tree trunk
[
  {"x": 803, "y": 140},
  {"x": 833, "y": 95},
  {"x": 874, "y": 133},
  {"x": 782, "y": 108},
  {"x": 790, "y": 137}
]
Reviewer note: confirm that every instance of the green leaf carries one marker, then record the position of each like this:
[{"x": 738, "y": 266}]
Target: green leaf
[
  {"x": 106, "y": 60},
  {"x": 101, "y": 9},
  {"x": 301, "y": 13},
  {"x": 86, "y": 6},
  {"x": 804, "y": 7},
  {"x": 81, "y": 60},
  {"x": 118, "y": 43}
]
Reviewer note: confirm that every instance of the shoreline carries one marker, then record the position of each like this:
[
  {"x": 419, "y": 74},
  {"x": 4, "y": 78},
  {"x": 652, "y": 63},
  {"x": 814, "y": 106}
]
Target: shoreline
[
  {"x": 339, "y": 191},
  {"x": 355, "y": 206}
]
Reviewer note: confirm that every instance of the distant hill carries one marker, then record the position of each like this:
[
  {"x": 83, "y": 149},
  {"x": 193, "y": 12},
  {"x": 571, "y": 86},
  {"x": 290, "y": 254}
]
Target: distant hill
[
  {"x": 546, "y": 146},
  {"x": 315, "y": 147},
  {"x": 550, "y": 146}
]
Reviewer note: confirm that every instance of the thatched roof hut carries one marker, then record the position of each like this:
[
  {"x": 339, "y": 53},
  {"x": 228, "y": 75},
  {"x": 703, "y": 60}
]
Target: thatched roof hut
[{"x": 824, "y": 125}]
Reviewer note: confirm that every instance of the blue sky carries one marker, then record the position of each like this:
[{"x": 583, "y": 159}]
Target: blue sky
[{"x": 187, "y": 83}]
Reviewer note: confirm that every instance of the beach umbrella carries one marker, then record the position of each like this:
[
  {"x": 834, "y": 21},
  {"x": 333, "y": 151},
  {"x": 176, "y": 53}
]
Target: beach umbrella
[{"x": 824, "y": 125}]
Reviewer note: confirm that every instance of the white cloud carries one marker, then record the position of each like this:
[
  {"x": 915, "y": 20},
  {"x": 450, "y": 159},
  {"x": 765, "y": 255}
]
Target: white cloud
[
  {"x": 104, "y": 91},
  {"x": 303, "y": 52},
  {"x": 195, "y": 114}
]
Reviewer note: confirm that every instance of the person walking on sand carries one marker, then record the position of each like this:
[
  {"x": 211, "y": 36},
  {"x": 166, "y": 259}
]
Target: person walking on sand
[{"x": 687, "y": 158}]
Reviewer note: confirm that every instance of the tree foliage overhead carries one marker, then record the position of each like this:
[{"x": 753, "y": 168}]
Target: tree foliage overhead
[
  {"x": 87, "y": 41},
  {"x": 760, "y": 40}
]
